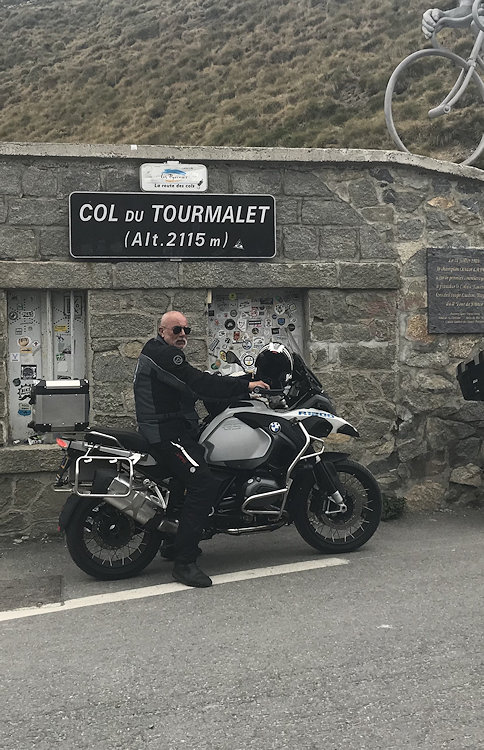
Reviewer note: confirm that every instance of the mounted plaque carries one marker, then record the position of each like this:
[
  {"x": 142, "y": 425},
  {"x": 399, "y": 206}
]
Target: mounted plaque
[
  {"x": 154, "y": 226},
  {"x": 455, "y": 286}
]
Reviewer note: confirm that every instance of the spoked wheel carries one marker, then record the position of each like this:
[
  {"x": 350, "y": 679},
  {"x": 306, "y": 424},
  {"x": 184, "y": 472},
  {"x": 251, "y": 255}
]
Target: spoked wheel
[
  {"x": 342, "y": 531},
  {"x": 108, "y": 545},
  {"x": 419, "y": 115}
]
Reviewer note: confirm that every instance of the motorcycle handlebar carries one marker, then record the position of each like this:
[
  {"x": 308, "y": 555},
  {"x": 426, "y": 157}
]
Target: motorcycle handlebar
[{"x": 267, "y": 391}]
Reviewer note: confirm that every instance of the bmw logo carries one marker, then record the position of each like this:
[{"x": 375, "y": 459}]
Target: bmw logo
[{"x": 274, "y": 426}]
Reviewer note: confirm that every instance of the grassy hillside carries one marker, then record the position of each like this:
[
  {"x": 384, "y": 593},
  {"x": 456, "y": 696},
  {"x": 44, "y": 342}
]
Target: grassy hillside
[{"x": 203, "y": 72}]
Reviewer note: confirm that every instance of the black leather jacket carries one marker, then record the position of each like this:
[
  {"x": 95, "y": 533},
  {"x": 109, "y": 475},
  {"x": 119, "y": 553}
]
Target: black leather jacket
[{"x": 166, "y": 387}]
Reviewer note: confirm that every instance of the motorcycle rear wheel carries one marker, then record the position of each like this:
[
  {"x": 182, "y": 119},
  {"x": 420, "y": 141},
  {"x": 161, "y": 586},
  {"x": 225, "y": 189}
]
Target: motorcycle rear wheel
[
  {"x": 341, "y": 532},
  {"x": 108, "y": 545}
]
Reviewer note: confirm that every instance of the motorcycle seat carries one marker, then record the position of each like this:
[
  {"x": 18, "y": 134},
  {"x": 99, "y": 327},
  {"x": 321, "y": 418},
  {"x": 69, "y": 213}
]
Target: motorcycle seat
[{"x": 109, "y": 437}]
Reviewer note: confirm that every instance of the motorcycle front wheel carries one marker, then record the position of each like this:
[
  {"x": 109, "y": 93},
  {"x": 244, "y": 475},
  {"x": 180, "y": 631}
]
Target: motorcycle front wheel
[
  {"x": 108, "y": 545},
  {"x": 328, "y": 530}
]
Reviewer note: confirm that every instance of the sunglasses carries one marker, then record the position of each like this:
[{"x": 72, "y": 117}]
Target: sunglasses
[{"x": 178, "y": 329}]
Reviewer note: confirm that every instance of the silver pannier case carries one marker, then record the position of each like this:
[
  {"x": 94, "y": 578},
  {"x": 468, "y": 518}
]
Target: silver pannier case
[{"x": 60, "y": 405}]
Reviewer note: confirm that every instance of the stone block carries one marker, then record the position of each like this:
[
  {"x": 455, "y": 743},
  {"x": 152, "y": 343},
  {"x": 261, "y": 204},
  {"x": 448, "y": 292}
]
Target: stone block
[
  {"x": 384, "y": 215},
  {"x": 301, "y": 243},
  {"x": 329, "y": 212},
  {"x": 370, "y": 357},
  {"x": 16, "y": 243},
  {"x": 55, "y": 275},
  {"x": 339, "y": 242},
  {"x": 132, "y": 349},
  {"x": 362, "y": 193},
  {"x": 304, "y": 182},
  {"x": 470, "y": 474},
  {"x": 122, "y": 325},
  {"x": 109, "y": 301},
  {"x": 189, "y": 302},
  {"x": 263, "y": 275},
  {"x": 123, "y": 178},
  {"x": 27, "y": 459},
  {"x": 115, "y": 422},
  {"x": 287, "y": 211},
  {"x": 157, "y": 275},
  {"x": 218, "y": 181},
  {"x": 410, "y": 230},
  {"x": 447, "y": 239},
  {"x": 382, "y": 174},
  {"x": 408, "y": 201},
  {"x": 376, "y": 244},
  {"x": 37, "y": 211},
  {"x": 3, "y": 210},
  {"x": 82, "y": 178},
  {"x": 366, "y": 275},
  {"x": 10, "y": 178},
  {"x": 426, "y": 495},
  {"x": 39, "y": 182},
  {"x": 437, "y": 221},
  {"x": 109, "y": 368},
  {"x": 54, "y": 243},
  {"x": 257, "y": 181}
]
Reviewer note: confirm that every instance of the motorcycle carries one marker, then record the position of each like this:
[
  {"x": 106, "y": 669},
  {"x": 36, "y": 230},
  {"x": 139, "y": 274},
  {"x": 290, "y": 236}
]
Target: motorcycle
[{"x": 269, "y": 454}]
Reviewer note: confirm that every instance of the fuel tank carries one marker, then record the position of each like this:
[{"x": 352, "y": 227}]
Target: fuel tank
[{"x": 230, "y": 442}]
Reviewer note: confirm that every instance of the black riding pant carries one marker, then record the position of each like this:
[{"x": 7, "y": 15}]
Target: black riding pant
[{"x": 183, "y": 458}]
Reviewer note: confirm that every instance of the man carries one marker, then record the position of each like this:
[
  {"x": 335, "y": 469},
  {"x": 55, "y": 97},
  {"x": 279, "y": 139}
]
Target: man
[{"x": 165, "y": 389}]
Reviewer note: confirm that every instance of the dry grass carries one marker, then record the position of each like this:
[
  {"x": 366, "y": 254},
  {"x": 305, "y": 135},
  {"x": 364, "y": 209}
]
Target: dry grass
[{"x": 203, "y": 72}]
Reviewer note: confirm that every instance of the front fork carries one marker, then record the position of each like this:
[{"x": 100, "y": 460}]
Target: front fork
[{"x": 327, "y": 479}]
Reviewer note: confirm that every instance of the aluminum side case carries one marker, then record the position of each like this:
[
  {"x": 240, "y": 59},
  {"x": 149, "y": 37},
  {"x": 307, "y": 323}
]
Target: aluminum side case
[{"x": 60, "y": 405}]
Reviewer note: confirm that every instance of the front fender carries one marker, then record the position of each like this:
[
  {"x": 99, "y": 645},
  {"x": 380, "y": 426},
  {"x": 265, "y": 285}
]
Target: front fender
[{"x": 333, "y": 457}]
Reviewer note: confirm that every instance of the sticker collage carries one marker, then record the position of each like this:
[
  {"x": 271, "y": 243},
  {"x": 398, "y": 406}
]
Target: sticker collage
[{"x": 245, "y": 324}]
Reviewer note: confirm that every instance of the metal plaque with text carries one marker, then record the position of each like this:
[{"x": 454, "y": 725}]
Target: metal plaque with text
[
  {"x": 139, "y": 226},
  {"x": 455, "y": 286}
]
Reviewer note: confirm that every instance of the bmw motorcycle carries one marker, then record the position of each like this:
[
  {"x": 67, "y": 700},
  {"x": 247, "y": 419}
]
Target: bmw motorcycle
[{"x": 269, "y": 454}]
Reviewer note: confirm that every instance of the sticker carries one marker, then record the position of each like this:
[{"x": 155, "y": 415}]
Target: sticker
[
  {"x": 221, "y": 334},
  {"x": 211, "y": 313},
  {"x": 248, "y": 360},
  {"x": 255, "y": 330},
  {"x": 259, "y": 342},
  {"x": 27, "y": 315},
  {"x": 24, "y": 409},
  {"x": 60, "y": 357},
  {"x": 274, "y": 426},
  {"x": 214, "y": 344},
  {"x": 16, "y": 382},
  {"x": 292, "y": 307},
  {"x": 255, "y": 322},
  {"x": 242, "y": 324},
  {"x": 232, "y": 296},
  {"x": 268, "y": 323},
  {"x": 60, "y": 328},
  {"x": 291, "y": 327},
  {"x": 177, "y": 359},
  {"x": 246, "y": 344},
  {"x": 281, "y": 321},
  {"x": 14, "y": 356},
  {"x": 13, "y": 316},
  {"x": 267, "y": 301},
  {"x": 23, "y": 341},
  {"x": 243, "y": 314},
  {"x": 233, "y": 313},
  {"x": 24, "y": 391},
  {"x": 215, "y": 365},
  {"x": 18, "y": 331},
  {"x": 279, "y": 309},
  {"x": 222, "y": 355},
  {"x": 237, "y": 335},
  {"x": 275, "y": 330},
  {"x": 254, "y": 311},
  {"x": 28, "y": 372},
  {"x": 274, "y": 317},
  {"x": 230, "y": 324},
  {"x": 26, "y": 350}
]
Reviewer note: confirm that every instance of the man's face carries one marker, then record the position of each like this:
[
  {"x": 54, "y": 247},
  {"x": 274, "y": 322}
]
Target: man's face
[{"x": 168, "y": 334}]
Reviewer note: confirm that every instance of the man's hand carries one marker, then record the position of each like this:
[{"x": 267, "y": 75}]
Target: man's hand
[
  {"x": 429, "y": 21},
  {"x": 258, "y": 384}
]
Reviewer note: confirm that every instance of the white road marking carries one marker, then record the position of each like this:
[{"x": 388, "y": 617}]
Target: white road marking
[{"x": 168, "y": 588}]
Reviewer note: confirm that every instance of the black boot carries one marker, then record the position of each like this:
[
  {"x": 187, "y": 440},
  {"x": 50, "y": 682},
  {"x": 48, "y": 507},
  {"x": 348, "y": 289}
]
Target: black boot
[{"x": 191, "y": 575}]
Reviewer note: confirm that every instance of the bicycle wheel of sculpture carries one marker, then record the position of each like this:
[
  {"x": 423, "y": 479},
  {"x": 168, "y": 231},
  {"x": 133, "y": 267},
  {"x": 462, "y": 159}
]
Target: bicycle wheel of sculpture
[{"x": 421, "y": 83}]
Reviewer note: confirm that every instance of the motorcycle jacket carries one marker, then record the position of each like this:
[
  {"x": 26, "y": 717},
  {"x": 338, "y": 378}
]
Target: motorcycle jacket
[{"x": 166, "y": 387}]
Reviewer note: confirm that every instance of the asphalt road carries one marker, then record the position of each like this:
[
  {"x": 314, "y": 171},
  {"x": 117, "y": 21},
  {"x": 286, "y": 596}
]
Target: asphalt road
[{"x": 383, "y": 652}]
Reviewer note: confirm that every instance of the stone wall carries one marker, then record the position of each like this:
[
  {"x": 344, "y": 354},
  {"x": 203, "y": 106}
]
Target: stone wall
[{"x": 352, "y": 233}]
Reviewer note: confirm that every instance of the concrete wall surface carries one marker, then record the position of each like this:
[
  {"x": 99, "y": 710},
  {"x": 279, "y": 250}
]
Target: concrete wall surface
[{"x": 353, "y": 228}]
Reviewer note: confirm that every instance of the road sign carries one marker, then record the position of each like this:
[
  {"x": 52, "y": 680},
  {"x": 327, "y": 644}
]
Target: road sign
[
  {"x": 137, "y": 226},
  {"x": 173, "y": 177}
]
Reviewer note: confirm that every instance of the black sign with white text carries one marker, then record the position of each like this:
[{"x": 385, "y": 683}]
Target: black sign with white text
[
  {"x": 137, "y": 226},
  {"x": 455, "y": 289}
]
